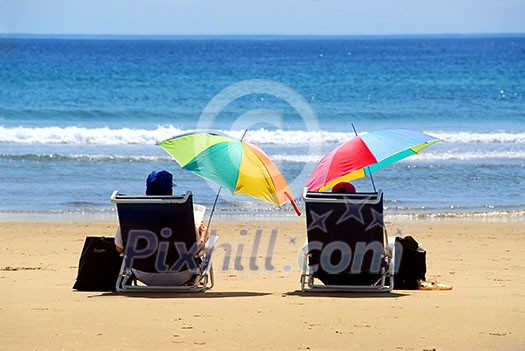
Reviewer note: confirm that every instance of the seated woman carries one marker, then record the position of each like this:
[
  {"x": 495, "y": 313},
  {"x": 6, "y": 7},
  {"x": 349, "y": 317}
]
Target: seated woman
[
  {"x": 161, "y": 183},
  {"x": 344, "y": 187}
]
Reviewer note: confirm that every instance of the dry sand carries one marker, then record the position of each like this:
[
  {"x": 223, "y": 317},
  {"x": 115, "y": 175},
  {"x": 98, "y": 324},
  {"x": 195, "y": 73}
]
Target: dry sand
[{"x": 264, "y": 309}]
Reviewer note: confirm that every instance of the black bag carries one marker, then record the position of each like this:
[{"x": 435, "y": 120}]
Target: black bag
[
  {"x": 411, "y": 266},
  {"x": 99, "y": 265}
]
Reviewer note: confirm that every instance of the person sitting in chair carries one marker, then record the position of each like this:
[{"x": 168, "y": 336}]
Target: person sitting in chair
[{"x": 161, "y": 183}]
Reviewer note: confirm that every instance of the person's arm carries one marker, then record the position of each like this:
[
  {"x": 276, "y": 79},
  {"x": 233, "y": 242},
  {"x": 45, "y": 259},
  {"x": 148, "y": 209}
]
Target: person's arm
[
  {"x": 202, "y": 239},
  {"x": 119, "y": 246},
  {"x": 202, "y": 231}
]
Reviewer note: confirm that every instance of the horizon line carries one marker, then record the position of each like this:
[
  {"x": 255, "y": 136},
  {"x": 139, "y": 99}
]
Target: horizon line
[{"x": 255, "y": 36}]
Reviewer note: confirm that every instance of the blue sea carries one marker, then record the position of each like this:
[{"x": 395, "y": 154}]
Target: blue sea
[{"x": 80, "y": 117}]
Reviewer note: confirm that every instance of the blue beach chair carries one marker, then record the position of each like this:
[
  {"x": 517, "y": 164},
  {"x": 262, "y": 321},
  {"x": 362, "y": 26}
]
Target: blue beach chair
[
  {"x": 347, "y": 247},
  {"x": 160, "y": 238}
]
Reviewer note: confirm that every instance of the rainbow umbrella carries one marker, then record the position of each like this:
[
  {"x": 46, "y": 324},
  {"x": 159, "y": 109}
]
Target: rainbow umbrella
[
  {"x": 364, "y": 154},
  {"x": 234, "y": 164}
]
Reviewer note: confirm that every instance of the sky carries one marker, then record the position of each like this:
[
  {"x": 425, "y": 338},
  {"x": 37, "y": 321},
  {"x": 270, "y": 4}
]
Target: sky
[{"x": 257, "y": 17}]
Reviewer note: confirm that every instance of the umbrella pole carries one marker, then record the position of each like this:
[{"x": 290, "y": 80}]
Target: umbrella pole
[
  {"x": 372, "y": 179},
  {"x": 370, "y": 173},
  {"x": 211, "y": 214},
  {"x": 292, "y": 201}
]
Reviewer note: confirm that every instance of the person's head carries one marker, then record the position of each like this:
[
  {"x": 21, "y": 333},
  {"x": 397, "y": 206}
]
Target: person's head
[
  {"x": 159, "y": 183},
  {"x": 344, "y": 187}
]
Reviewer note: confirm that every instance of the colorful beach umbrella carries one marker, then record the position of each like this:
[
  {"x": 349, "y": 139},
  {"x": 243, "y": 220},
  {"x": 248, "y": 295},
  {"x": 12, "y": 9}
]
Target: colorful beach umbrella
[
  {"x": 237, "y": 165},
  {"x": 364, "y": 154}
]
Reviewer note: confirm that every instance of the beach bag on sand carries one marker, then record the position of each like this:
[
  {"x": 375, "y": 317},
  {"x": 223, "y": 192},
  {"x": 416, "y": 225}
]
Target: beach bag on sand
[
  {"x": 412, "y": 266},
  {"x": 98, "y": 266}
]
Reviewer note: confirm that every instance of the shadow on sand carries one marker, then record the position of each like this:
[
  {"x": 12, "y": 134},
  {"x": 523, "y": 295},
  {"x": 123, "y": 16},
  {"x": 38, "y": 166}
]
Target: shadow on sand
[
  {"x": 183, "y": 295},
  {"x": 351, "y": 295}
]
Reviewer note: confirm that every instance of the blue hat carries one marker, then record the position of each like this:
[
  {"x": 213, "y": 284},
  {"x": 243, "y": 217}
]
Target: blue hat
[{"x": 159, "y": 183}]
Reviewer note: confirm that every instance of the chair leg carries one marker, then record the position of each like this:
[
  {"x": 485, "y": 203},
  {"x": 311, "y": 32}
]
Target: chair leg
[
  {"x": 118, "y": 284},
  {"x": 212, "y": 282}
]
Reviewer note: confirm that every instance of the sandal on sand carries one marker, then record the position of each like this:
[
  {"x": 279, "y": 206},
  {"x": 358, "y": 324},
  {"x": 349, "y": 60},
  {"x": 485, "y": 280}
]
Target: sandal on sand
[{"x": 424, "y": 285}]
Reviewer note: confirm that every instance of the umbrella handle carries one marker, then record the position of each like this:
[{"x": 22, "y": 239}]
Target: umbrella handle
[{"x": 292, "y": 201}]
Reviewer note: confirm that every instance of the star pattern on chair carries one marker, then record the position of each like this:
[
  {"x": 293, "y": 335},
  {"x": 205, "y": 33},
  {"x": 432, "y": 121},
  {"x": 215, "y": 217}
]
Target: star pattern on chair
[
  {"x": 353, "y": 210},
  {"x": 377, "y": 219},
  {"x": 319, "y": 221}
]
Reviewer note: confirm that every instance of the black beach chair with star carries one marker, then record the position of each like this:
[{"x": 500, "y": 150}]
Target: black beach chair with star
[
  {"x": 347, "y": 247},
  {"x": 160, "y": 236}
]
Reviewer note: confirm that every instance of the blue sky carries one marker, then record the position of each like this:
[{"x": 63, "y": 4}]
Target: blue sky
[{"x": 252, "y": 17}]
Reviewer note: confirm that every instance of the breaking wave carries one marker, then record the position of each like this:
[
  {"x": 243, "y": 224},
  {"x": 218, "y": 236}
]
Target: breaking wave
[
  {"x": 130, "y": 136},
  {"x": 297, "y": 158},
  {"x": 85, "y": 157}
]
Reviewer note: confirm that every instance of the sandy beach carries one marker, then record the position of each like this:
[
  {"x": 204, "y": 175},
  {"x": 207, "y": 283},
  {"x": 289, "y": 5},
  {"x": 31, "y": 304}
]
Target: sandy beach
[{"x": 264, "y": 309}]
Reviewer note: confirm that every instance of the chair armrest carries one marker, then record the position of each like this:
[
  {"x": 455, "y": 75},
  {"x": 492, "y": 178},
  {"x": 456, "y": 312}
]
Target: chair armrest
[{"x": 210, "y": 243}]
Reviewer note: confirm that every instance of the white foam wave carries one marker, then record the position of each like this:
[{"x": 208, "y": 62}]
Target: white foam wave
[
  {"x": 80, "y": 135},
  {"x": 468, "y": 155},
  {"x": 87, "y": 157},
  {"x": 297, "y": 158},
  {"x": 124, "y": 136},
  {"x": 423, "y": 156},
  {"x": 479, "y": 138},
  {"x": 294, "y": 158}
]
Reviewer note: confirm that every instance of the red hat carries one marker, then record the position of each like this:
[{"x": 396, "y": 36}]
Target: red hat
[{"x": 343, "y": 187}]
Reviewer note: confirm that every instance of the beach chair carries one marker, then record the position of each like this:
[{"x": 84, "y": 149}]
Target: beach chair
[
  {"x": 347, "y": 248},
  {"x": 160, "y": 236}
]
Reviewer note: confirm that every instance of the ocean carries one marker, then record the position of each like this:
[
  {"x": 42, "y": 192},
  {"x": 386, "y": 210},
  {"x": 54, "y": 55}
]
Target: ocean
[{"x": 80, "y": 117}]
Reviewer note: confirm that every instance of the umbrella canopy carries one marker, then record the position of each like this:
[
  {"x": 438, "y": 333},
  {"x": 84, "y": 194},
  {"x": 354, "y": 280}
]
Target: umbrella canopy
[
  {"x": 365, "y": 154},
  {"x": 236, "y": 165}
]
